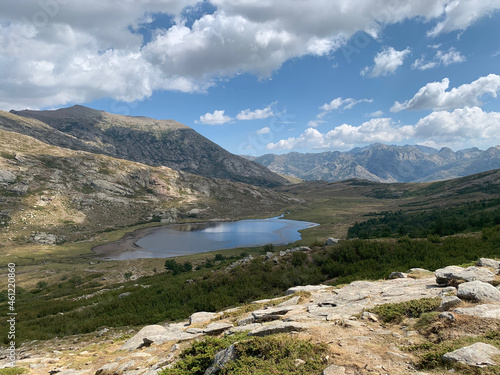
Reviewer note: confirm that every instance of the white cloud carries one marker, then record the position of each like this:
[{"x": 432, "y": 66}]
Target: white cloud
[
  {"x": 216, "y": 118},
  {"x": 386, "y": 62},
  {"x": 434, "y": 95},
  {"x": 445, "y": 58},
  {"x": 315, "y": 123},
  {"x": 450, "y": 57},
  {"x": 258, "y": 114},
  {"x": 453, "y": 129},
  {"x": 461, "y": 14},
  {"x": 459, "y": 126},
  {"x": 54, "y": 52},
  {"x": 338, "y": 103},
  {"x": 378, "y": 113},
  {"x": 264, "y": 130},
  {"x": 346, "y": 136}
]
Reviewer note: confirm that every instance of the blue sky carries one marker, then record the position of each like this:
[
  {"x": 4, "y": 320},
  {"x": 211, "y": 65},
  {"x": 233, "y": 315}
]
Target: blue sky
[{"x": 261, "y": 76}]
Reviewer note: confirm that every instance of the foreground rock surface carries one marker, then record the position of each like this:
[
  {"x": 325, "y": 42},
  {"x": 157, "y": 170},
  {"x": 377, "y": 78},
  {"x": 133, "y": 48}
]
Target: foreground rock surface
[{"x": 477, "y": 355}]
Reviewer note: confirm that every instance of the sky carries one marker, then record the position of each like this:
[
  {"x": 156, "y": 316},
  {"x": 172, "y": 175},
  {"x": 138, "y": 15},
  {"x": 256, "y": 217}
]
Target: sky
[{"x": 266, "y": 76}]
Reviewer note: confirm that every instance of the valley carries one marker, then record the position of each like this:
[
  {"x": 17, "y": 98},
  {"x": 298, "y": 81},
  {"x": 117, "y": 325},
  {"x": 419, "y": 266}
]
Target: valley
[{"x": 66, "y": 188}]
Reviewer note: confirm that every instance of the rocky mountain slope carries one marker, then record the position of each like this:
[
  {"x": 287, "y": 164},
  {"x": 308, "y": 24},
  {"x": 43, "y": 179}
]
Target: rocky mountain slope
[
  {"x": 358, "y": 334},
  {"x": 72, "y": 194},
  {"x": 384, "y": 163},
  {"x": 141, "y": 139}
]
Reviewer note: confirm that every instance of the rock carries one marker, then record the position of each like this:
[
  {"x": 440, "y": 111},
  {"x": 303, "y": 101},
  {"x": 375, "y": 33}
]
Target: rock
[
  {"x": 478, "y": 291},
  {"x": 201, "y": 317},
  {"x": 247, "y": 328},
  {"x": 46, "y": 238},
  {"x": 444, "y": 275},
  {"x": 448, "y": 290},
  {"x": 476, "y": 273},
  {"x": 221, "y": 359},
  {"x": 456, "y": 275},
  {"x": 334, "y": 370},
  {"x": 447, "y": 315},
  {"x": 124, "y": 295},
  {"x": 156, "y": 334},
  {"x": 269, "y": 255},
  {"x": 449, "y": 302},
  {"x": 306, "y": 288},
  {"x": 7, "y": 177},
  {"x": 279, "y": 327},
  {"x": 300, "y": 248},
  {"x": 398, "y": 275},
  {"x": 478, "y": 355},
  {"x": 274, "y": 313},
  {"x": 485, "y": 262},
  {"x": 290, "y": 302},
  {"x": 246, "y": 321},
  {"x": 369, "y": 316},
  {"x": 299, "y": 362},
  {"x": 217, "y": 328},
  {"x": 330, "y": 241},
  {"x": 481, "y": 311}
]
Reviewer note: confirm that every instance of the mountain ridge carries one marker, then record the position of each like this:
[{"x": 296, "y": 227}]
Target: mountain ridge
[
  {"x": 384, "y": 163},
  {"x": 140, "y": 139}
]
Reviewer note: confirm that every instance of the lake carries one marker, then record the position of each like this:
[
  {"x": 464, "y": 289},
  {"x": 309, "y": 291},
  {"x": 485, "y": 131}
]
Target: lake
[{"x": 186, "y": 239}]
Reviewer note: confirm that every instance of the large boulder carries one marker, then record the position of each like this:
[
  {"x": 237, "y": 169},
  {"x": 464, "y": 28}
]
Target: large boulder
[
  {"x": 454, "y": 275},
  {"x": 279, "y": 327},
  {"x": 478, "y": 355},
  {"x": 156, "y": 334},
  {"x": 201, "y": 317},
  {"x": 486, "y": 262},
  {"x": 481, "y": 311},
  {"x": 7, "y": 177},
  {"x": 478, "y": 291}
]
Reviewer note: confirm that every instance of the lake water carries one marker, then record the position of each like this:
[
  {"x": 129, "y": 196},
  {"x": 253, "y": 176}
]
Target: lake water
[{"x": 185, "y": 239}]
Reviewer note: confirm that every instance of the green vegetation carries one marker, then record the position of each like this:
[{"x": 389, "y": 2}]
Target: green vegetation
[
  {"x": 255, "y": 355},
  {"x": 170, "y": 297},
  {"x": 13, "y": 371},
  {"x": 396, "y": 312},
  {"x": 7, "y": 155},
  {"x": 431, "y": 353},
  {"x": 472, "y": 216},
  {"x": 177, "y": 268}
]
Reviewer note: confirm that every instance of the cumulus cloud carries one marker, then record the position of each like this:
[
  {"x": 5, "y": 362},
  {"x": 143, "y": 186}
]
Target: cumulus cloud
[
  {"x": 216, "y": 118},
  {"x": 346, "y": 136},
  {"x": 460, "y": 14},
  {"x": 445, "y": 58},
  {"x": 454, "y": 129},
  {"x": 257, "y": 114},
  {"x": 434, "y": 95},
  {"x": 386, "y": 62},
  {"x": 459, "y": 126},
  {"x": 378, "y": 113},
  {"x": 264, "y": 130},
  {"x": 54, "y": 52}
]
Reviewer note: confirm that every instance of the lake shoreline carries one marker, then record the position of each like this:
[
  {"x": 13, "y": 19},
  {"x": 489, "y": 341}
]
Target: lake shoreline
[{"x": 131, "y": 247}]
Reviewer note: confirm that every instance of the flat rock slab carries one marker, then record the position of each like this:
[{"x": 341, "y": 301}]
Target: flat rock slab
[
  {"x": 216, "y": 328},
  {"x": 481, "y": 311},
  {"x": 478, "y": 355},
  {"x": 156, "y": 334},
  {"x": 306, "y": 288},
  {"x": 478, "y": 291}
]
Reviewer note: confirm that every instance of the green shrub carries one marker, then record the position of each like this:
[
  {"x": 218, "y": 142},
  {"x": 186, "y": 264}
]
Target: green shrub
[
  {"x": 13, "y": 371},
  {"x": 274, "y": 354},
  {"x": 298, "y": 259},
  {"x": 396, "y": 312}
]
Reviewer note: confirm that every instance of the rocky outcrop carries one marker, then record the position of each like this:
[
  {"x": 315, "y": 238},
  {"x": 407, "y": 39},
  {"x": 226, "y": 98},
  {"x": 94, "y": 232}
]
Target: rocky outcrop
[
  {"x": 221, "y": 359},
  {"x": 477, "y": 355},
  {"x": 454, "y": 275},
  {"x": 478, "y": 291},
  {"x": 481, "y": 311}
]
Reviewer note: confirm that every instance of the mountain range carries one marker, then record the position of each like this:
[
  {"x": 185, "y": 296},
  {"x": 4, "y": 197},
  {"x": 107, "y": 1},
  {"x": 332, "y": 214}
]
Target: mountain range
[
  {"x": 383, "y": 163},
  {"x": 141, "y": 139}
]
